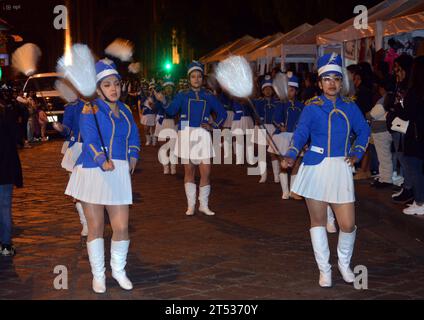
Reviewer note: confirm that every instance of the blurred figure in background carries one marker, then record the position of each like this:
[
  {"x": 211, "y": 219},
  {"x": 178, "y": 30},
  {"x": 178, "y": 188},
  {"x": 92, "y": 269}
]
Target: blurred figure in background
[{"x": 10, "y": 172}]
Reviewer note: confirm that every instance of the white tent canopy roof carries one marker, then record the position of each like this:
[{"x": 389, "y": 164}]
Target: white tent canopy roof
[
  {"x": 273, "y": 48},
  {"x": 225, "y": 49},
  {"x": 389, "y": 10}
]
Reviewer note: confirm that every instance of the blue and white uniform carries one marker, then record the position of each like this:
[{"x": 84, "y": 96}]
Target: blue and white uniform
[
  {"x": 71, "y": 131},
  {"x": 242, "y": 118},
  {"x": 286, "y": 115},
  {"x": 324, "y": 175},
  {"x": 165, "y": 121},
  {"x": 266, "y": 108},
  {"x": 194, "y": 108},
  {"x": 228, "y": 106},
  {"x": 89, "y": 183}
]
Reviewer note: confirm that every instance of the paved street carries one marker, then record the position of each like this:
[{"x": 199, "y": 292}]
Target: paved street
[{"x": 257, "y": 247}]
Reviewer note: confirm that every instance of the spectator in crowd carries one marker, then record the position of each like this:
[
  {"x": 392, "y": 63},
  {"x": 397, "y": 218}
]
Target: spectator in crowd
[
  {"x": 10, "y": 173},
  {"x": 381, "y": 136},
  {"x": 42, "y": 120},
  {"x": 402, "y": 69},
  {"x": 364, "y": 97},
  {"x": 413, "y": 147}
]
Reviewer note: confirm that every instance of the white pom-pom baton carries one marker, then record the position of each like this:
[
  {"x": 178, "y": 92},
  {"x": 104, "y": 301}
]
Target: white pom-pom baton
[
  {"x": 81, "y": 72},
  {"x": 121, "y": 49},
  {"x": 25, "y": 59},
  {"x": 235, "y": 76},
  {"x": 134, "y": 68},
  {"x": 66, "y": 91},
  {"x": 280, "y": 85}
]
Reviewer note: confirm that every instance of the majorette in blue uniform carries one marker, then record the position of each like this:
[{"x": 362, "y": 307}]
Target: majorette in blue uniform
[
  {"x": 243, "y": 121},
  {"x": 165, "y": 123},
  {"x": 122, "y": 142},
  {"x": 70, "y": 129},
  {"x": 194, "y": 144},
  {"x": 194, "y": 109},
  {"x": 286, "y": 118},
  {"x": 325, "y": 175},
  {"x": 115, "y": 139},
  {"x": 266, "y": 108},
  {"x": 148, "y": 114},
  {"x": 228, "y": 106}
]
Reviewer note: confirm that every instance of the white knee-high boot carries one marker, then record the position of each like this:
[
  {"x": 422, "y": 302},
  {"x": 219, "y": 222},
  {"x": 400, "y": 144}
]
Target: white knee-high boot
[
  {"x": 83, "y": 220},
  {"x": 148, "y": 140},
  {"x": 173, "y": 169},
  {"x": 191, "y": 191},
  {"x": 284, "y": 180},
  {"x": 154, "y": 140},
  {"x": 331, "y": 221},
  {"x": 264, "y": 175},
  {"x": 204, "y": 200},
  {"x": 277, "y": 170},
  {"x": 322, "y": 255},
  {"x": 118, "y": 261},
  {"x": 96, "y": 255},
  {"x": 166, "y": 170},
  {"x": 344, "y": 252}
]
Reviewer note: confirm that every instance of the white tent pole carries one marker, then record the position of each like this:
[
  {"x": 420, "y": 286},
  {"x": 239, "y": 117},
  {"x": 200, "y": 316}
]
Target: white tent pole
[{"x": 379, "y": 35}]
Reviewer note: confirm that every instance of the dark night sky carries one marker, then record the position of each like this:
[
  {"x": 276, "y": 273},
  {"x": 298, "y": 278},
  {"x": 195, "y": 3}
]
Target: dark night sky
[{"x": 209, "y": 24}]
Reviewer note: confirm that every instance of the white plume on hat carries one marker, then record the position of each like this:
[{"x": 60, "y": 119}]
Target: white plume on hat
[
  {"x": 121, "y": 49},
  {"x": 234, "y": 74},
  {"x": 25, "y": 58},
  {"x": 81, "y": 73}
]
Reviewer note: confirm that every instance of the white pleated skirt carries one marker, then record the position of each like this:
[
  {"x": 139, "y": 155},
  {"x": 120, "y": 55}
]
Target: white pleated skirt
[
  {"x": 229, "y": 121},
  {"x": 148, "y": 120},
  {"x": 71, "y": 156},
  {"x": 331, "y": 181},
  {"x": 65, "y": 147},
  {"x": 282, "y": 142},
  {"x": 194, "y": 144},
  {"x": 166, "y": 124},
  {"x": 242, "y": 125},
  {"x": 158, "y": 126},
  {"x": 260, "y": 136},
  {"x": 92, "y": 185}
]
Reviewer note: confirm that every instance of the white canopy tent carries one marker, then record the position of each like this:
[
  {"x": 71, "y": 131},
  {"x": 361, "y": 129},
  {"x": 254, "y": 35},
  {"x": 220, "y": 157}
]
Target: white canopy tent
[
  {"x": 215, "y": 55},
  {"x": 302, "y": 48},
  {"x": 266, "y": 54},
  {"x": 388, "y": 18}
]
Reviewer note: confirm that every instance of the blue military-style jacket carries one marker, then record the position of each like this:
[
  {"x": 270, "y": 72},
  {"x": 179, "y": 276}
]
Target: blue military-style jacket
[
  {"x": 266, "y": 109},
  {"x": 241, "y": 110},
  {"x": 288, "y": 115},
  {"x": 120, "y": 134},
  {"x": 195, "y": 108},
  {"x": 328, "y": 126},
  {"x": 70, "y": 121}
]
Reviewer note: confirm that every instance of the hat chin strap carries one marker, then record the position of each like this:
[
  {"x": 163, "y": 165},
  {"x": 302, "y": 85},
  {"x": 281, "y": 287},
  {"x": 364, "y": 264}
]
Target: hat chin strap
[{"x": 106, "y": 98}]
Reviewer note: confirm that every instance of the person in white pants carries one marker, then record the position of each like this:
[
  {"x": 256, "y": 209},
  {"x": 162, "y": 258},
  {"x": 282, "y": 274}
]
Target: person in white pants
[{"x": 382, "y": 139}]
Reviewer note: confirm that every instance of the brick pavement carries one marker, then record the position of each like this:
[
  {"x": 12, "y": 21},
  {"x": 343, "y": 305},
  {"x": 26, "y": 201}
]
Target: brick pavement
[{"x": 257, "y": 247}]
